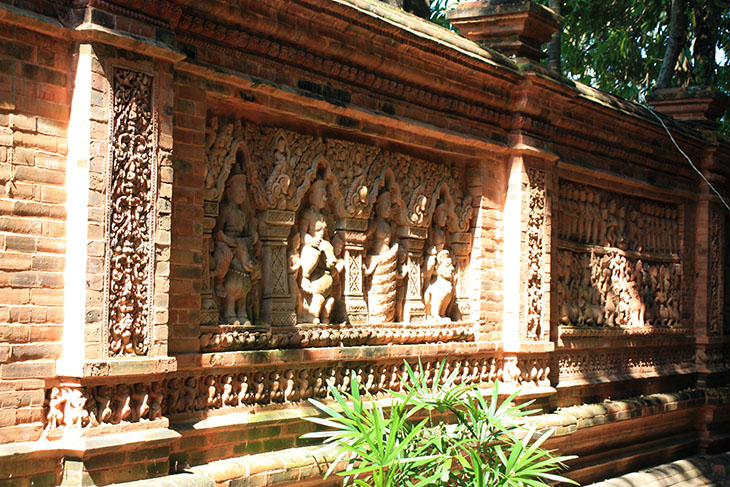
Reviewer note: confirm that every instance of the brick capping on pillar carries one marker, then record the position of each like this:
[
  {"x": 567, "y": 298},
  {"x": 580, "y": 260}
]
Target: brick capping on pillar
[
  {"x": 512, "y": 27},
  {"x": 699, "y": 105}
]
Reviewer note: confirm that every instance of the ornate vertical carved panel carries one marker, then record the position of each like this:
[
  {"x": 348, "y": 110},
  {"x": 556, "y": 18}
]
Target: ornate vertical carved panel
[
  {"x": 535, "y": 254},
  {"x": 715, "y": 290},
  {"x": 130, "y": 214}
]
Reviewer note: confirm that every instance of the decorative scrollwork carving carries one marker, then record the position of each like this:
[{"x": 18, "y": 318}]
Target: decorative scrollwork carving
[{"x": 130, "y": 213}]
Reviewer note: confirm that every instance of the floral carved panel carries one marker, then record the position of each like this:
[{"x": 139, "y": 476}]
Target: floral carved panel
[
  {"x": 130, "y": 216},
  {"x": 535, "y": 254}
]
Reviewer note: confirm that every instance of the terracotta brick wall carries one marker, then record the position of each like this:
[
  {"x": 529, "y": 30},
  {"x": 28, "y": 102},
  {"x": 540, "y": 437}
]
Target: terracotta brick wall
[{"x": 35, "y": 84}]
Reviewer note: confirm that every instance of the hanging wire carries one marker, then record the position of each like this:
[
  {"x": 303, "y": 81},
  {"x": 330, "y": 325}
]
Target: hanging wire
[{"x": 688, "y": 159}]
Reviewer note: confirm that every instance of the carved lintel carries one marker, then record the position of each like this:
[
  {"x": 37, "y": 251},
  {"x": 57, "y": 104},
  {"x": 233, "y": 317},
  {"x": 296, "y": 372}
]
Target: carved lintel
[
  {"x": 278, "y": 306},
  {"x": 414, "y": 311},
  {"x": 353, "y": 231}
]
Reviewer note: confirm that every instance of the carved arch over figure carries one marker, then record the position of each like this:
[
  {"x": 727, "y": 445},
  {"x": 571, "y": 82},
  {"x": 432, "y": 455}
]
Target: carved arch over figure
[
  {"x": 278, "y": 185},
  {"x": 320, "y": 169},
  {"x": 387, "y": 180}
]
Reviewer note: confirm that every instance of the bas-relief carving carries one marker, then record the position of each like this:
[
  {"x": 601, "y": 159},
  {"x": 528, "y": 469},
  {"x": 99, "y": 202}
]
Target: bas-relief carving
[
  {"x": 617, "y": 265},
  {"x": 715, "y": 285},
  {"x": 591, "y": 216},
  {"x": 92, "y": 406},
  {"x": 130, "y": 214},
  {"x": 349, "y": 252},
  {"x": 535, "y": 254},
  {"x": 626, "y": 362}
]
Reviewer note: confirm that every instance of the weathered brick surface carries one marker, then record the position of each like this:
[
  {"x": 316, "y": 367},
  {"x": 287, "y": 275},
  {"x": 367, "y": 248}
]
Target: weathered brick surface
[{"x": 34, "y": 108}]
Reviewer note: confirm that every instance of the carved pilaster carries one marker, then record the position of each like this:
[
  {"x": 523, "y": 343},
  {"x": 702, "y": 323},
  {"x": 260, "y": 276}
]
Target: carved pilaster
[
  {"x": 279, "y": 307},
  {"x": 715, "y": 287},
  {"x": 460, "y": 243},
  {"x": 353, "y": 232},
  {"x": 130, "y": 216},
  {"x": 536, "y": 328},
  {"x": 414, "y": 310}
]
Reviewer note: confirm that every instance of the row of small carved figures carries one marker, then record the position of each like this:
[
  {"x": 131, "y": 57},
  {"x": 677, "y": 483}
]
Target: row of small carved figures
[
  {"x": 80, "y": 406},
  {"x": 617, "y": 362},
  {"x": 322, "y": 337},
  {"x": 641, "y": 226}
]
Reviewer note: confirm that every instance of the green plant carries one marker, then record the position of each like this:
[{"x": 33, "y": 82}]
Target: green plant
[{"x": 406, "y": 441}]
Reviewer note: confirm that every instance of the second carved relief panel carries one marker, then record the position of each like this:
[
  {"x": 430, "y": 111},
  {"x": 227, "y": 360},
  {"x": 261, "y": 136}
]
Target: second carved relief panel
[{"x": 618, "y": 260}]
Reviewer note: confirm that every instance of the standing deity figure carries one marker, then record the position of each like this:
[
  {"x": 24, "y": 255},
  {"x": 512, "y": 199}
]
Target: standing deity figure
[
  {"x": 381, "y": 263},
  {"x": 317, "y": 258},
  {"x": 236, "y": 271},
  {"x": 436, "y": 241}
]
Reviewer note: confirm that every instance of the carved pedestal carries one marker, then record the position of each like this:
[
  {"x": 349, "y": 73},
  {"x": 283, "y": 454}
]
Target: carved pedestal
[
  {"x": 413, "y": 310},
  {"x": 461, "y": 247},
  {"x": 353, "y": 231},
  {"x": 278, "y": 307}
]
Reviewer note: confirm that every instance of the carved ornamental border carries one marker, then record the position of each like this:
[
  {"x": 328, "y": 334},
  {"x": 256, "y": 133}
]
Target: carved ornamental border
[
  {"x": 130, "y": 214},
  {"x": 267, "y": 387}
]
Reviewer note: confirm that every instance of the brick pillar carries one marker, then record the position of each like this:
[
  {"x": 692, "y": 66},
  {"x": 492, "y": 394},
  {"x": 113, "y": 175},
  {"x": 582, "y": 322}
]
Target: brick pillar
[
  {"x": 278, "y": 307},
  {"x": 353, "y": 231},
  {"x": 414, "y": 311}
]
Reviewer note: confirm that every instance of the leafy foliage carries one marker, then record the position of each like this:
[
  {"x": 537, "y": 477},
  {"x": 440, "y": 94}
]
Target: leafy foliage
[
  {"x": 618, "y": 46},
  {"x": 407, "y": 443}
]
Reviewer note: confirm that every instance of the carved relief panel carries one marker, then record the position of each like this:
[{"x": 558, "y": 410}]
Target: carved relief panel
[
  {"x": 130, "y": 216},
  {"x": 715, "y": 295},
  {"x": 309, "y": 232},
  {"x": 618, "y": 263},
  {"x": 536, "y": 330}
]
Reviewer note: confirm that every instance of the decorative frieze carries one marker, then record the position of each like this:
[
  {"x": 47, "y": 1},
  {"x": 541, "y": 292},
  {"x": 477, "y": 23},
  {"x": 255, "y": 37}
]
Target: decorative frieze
[
  {"x": 91, "y": 406},
  {"x": 130, "y": 216},
  {"x": 339, "y": 229},
  {"x": 592, "y": 365},
  {"x": 595, "y": 217},
  {"x": 535, "y": 255},
  {"x": 218, "y": 339}
]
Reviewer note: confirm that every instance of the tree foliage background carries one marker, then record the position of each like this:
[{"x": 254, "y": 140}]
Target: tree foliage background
[{"x": 620, "y": 46}]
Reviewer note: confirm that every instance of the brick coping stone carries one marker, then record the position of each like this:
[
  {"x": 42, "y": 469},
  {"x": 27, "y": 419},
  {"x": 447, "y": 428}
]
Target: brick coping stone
[
  {"x": 711, "y": 470},
  {"x": 304, "y": 463}
]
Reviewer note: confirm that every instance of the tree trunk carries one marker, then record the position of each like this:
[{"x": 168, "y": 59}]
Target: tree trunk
[
  {"x": 554, "y": 45},
  {"x": 675, "y": 43},
  {"x": 707, "y": 15}
]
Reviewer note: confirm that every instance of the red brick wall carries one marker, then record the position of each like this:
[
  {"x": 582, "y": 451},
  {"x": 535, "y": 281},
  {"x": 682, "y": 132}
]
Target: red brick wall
[{"x": 35, "y": 82}]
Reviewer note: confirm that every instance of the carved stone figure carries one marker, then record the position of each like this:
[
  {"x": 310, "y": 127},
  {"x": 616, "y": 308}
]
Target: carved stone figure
[
  {"x": 317, "y": 257},
  {"x": 381, "y": 263},
  {"x": 236, "y": 269},
  {"x": 440, "y": 292}
]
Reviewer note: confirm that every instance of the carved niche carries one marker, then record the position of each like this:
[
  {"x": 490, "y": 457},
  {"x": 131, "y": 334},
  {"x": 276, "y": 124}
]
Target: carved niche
[
  {"x": 130, "y": 221},
  {"x": 340, "y": 233},
  {"x": 617, "y": 263}
]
